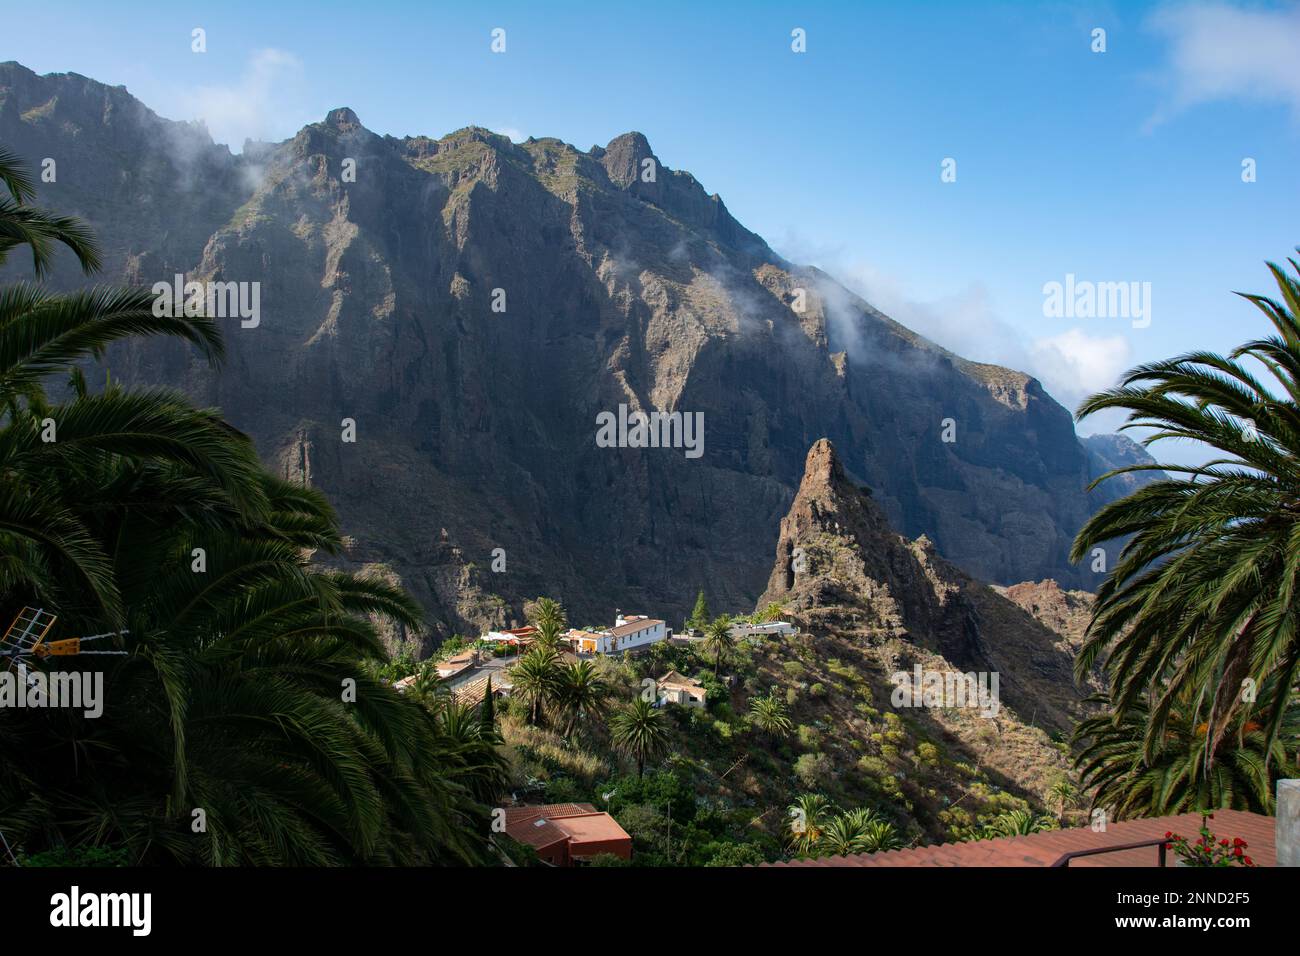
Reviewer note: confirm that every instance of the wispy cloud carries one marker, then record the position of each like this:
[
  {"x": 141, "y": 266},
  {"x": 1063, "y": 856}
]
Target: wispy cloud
[
  {"x": 1220, "y": 51},
  {"x": 258, "y": 105},
  {"x": 1075, "y": 363},
  {"x": 1072, "y": 364}
]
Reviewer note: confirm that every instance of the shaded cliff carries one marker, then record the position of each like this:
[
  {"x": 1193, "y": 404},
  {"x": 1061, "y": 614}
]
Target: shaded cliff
[{"x": 472, "y": 305}]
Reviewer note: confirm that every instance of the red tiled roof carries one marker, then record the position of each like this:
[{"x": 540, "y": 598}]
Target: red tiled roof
[
  {"x": 634, "y": 625},
  {"x": 580, "y": 823},
  {"x": 1044, "y": 849}
]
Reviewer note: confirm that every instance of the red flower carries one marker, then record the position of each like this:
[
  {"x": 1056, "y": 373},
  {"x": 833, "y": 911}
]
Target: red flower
[
  {"x": 1249, "y": 861},
  {"x": 1168, "y": 833}
]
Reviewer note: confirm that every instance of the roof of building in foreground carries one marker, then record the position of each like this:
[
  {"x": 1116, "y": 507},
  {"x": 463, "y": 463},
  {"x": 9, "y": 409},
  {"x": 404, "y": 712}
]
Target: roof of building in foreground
[
  {"x": 542, "y": 826},
  {"x": 1044, "y": 849}
]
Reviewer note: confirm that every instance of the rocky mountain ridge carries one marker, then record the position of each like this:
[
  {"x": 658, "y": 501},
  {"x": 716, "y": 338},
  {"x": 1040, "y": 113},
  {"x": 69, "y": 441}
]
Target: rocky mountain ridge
[{"x": 472, "y": 305}]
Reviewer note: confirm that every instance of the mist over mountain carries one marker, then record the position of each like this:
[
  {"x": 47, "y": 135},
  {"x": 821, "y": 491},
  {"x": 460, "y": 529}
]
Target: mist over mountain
[{"x": 473, "y": 305}]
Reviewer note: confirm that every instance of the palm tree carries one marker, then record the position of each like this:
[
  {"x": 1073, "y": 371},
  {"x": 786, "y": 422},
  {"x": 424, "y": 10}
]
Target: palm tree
[
  {"x": 809, "y": 817},
  {"x": 248, "y": 696},
  {"x": 1064, "y": 794},
  {"x": 23, "y": 225},
  {"x": 769, "y": 715},
  {"x": 580, "y": 693},
  {"x": 535, "y": 677},
  {"x": 1203, "y": 596},
  {"x": 719, "y": 639},
  {"x": 1129, "y": 782},
  {"x": 248, "y": 689},
  {"x": 1016, "y": 823},
  {"x": 638, "y": 730},
  {"x": 548, "y": 617}
]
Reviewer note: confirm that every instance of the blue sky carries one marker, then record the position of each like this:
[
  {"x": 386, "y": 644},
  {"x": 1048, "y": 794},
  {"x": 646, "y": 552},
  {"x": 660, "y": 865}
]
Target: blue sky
[{"x": 1115, "y": 166}]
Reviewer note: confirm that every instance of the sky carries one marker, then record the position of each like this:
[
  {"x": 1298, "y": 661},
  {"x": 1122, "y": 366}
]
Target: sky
[{"x": 1118, "y": 165}]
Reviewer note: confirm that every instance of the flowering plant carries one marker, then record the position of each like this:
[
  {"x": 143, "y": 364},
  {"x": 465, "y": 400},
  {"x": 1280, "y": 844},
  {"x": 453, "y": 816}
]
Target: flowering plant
[{"x": 1208, "y": 850}]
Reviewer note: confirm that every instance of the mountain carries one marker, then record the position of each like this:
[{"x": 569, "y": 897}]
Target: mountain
[
  {"x": 840, "y": 568},
  {"x": 871, "y": 608},
  {"x": 473, "y": 307}
]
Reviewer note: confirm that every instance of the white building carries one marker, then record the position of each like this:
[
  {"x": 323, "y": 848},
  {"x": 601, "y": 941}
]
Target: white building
[
  {"x": 628, "y": 633},
  {"x": 770, "y": 629},
  {"x": 676, "y": 689}
]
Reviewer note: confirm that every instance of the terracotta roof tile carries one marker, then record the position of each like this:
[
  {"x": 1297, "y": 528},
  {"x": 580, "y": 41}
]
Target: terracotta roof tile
[{"x": 1044, "y": 849}]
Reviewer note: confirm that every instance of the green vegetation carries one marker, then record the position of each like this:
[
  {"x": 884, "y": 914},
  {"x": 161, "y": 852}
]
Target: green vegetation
[
  {"x": 247, "y": 722},
  {"x": 700, "y": 617},
  {"x": 718, "y": 639},
  {"x": 1196, "y": 625},
  {"x": 638, "y": 730}
]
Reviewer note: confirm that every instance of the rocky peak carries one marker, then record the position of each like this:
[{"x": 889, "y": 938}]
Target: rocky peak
[
  {"x": 623, "y": 158},
  {"x": 822, "y": 470},
  {"x": 841, "y": 569},
  {"x": 343, "y": 120}
]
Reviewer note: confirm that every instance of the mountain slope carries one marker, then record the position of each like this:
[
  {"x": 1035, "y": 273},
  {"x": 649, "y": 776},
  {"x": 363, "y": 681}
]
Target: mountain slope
[
  {"x": 623, "y": 283},
  {"x": 840, "y": 568}
]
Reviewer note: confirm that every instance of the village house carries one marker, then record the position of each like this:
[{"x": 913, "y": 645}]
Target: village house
[
  {"x": 565, "y": 834},
  {"x": 457, "y": 663},
  {"x": 520, "y": 637},
  {"x": 675, "y": 689},
  {"x": 770, "y": 629},
  {"x": 629, "y": 632}
]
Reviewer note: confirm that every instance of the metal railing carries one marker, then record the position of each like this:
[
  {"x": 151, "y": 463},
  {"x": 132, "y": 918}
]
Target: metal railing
[{"x": 1162, "y": 852}]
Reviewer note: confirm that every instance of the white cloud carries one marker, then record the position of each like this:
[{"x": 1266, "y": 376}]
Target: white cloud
[
  {"x": 1219, "y": 51},
  {"x": 256, "y": 106},
  {"x": 510, "y": 132},
  {"x": 1075, "y": 364},
  {"x": 965, "y": 323},
  {"x": 1071, "y": 364}
]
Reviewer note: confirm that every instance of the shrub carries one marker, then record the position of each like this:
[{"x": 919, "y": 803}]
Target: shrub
[
  {"x": 813, "y": 770},
  {"x": 736, "y": 854}
]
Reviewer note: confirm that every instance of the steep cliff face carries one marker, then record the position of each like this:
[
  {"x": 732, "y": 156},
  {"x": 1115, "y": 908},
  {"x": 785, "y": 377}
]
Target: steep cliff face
[
  {"x": 473, "y": 306},
  {"x": 841, "y": 569}
]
